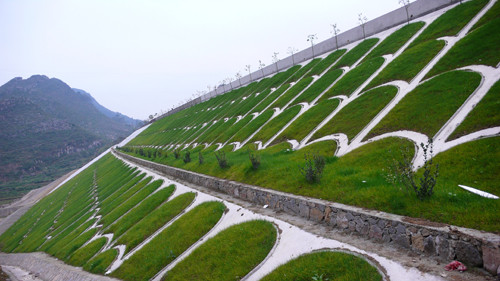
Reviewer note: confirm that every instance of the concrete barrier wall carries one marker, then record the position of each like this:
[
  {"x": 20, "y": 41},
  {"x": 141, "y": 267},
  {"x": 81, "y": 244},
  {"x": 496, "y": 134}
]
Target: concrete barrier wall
[{"x": 446, "y": 242}]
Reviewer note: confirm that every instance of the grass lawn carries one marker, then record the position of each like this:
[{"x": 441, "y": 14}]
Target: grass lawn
[
  {"x": 478, "y": 47},
  {"x": 356, "y": 53},
  {"x": 359, "y": 178},
  {"x": 354, "y": 78},
  {"x": 299, "y": 129},
  {"x": 226, "y": 135},
  {"x": 139, "y": 212},
  {"x": 356, "y": 115},
  {"x": 82, "y": 255},
  {"x": 292, "y": 92},
  {"x": 484, "y": 115},
  {"x": 319, "y": 86},
  {"x": 153, "y": 221},
  {"x": 395, "y": 41},
  {"x": 250, "y": 128},
  {"x": 130, "y": 203},
  {"x": 327, "y": 265},
  {"x": 271, "y": 98},
  {"x": 230, "y": 255},
  {"x": 407, "y": 65},
  {"x": 326, "y": 62},
  {"x": 101, "y": 262},
  {"x": 171, "y": 242},
  {"x": 427, "y": 108},
  {"x": 271, "y": 128},
  {"x": 451, "y": 22}
]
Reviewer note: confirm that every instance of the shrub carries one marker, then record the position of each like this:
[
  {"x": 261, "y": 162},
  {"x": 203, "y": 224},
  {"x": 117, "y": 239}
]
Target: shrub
[
  {"x": 313, "y": 168},
  {"x": 187, "y": 157},
  {"x": 402, "y": 172},
  {"x": 200, "y": 158},
  {"x": 177, "y": 154},
  {"x": 221, "y": 159},
  {"x": 255, "y": 159}
]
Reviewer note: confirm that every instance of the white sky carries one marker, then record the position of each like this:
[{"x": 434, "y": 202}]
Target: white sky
[{"x": 141, "y": 57}]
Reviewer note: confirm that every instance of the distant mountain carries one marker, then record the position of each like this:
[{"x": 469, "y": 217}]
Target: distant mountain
[
  {"x": 111, "y": 114},
  {"x": 48, "y": 129}
]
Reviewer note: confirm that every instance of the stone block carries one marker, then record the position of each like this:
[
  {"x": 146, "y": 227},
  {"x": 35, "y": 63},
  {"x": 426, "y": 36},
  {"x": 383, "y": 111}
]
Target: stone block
[
  {"x": 303, "y": 210},
  {"x": 417, "y": 242},
  {"x": 316, "y": 214},
  {"x": 400, "y": 229},
  {"x": 491, "y": 258},
  {"x": 429, "y": 245},
  {"x": 342, "y": 220},
  {"x": 442, "y": 247},
  {"x": 401, "y": 240},
  {"x": 376, "y": 233},
  {"x": 468, "y": 254}
]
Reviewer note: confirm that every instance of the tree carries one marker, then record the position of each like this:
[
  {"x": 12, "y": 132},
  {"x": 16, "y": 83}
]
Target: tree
[
  {"x": 261, "y": 67},
  {"x": 406, "y": 3},
  {"x": 362, "y": 21},
  {"x": 275, "y": 60},
  {"x": 247, "y": 68},
  {"x": 238, "y": 76},
  {"x": 291, "y": 51},
  {"x": 230, "y": 80},
  {"x": 335, "y": 32},
  {"x": 311, "y": 38}
]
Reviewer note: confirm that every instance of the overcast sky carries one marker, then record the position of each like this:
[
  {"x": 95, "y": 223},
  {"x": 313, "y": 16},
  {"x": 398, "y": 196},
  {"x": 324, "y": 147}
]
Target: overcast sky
[{"x": 141, "y": 57}]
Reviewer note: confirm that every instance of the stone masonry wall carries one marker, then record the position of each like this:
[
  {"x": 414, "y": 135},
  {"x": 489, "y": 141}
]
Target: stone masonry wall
[{"x": 447, "y": 242}]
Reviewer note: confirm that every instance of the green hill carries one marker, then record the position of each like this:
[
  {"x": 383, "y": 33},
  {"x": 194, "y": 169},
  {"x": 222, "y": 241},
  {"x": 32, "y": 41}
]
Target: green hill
[{"x": 46, "y": 130}]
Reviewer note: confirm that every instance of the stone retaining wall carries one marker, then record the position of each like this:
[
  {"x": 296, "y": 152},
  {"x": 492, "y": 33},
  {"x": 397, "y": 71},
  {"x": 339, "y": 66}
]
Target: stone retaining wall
[{"x": 446, "y": 242}]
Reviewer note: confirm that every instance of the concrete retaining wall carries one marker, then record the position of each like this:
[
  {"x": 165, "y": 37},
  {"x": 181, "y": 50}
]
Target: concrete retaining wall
[
  {"x": 446, "y": 242},
  {"x": 399, "y": 16}
]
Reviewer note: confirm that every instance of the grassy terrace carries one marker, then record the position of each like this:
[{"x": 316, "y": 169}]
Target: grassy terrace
[
  {"x": 136, "y": 214},
  {"x": 395, "y": 41},
  {"x": 478, "y": 48},
  {"x": 319, "y": 86},
  {"x": 271, "y": 128},
  {"x": 356, "y": 53},
  {"x": 230, "y": 255},
  {"x": 292, "y": 92},
  {"x": 354, "y": 78},
  {"x": 256, "y": 123},
  {"x": 100, "y": 262},
  {"x": 484, "y": 115},
  {"x": 356, "y": 115},
  {"x": 299, "y": 129},
  {"x": 327, "y": 266},
  {"x": 359, "y": 178},
  {"x": 407, "y": 65},
  {"x": 153, "y": 221},
  {"x": 451, "y": 22},
  {"x": 430, "y": 105},
  {"x": 172, "y": 242}
]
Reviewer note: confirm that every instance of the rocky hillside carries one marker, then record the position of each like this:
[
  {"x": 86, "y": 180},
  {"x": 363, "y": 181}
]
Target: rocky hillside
[{"x": 47, "y": 129}]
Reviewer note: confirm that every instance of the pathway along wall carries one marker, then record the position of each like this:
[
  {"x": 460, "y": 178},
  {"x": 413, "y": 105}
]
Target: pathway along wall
[{"x": 444, "y": 241}]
